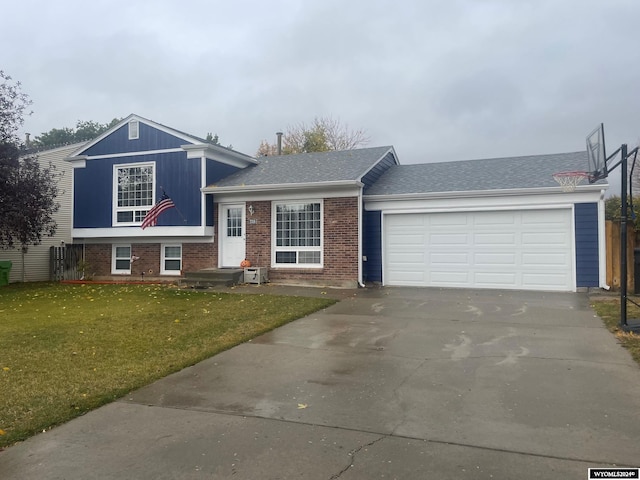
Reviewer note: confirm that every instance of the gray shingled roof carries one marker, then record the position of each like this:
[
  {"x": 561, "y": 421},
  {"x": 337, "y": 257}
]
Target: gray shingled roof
[
  {"x": 308, "y": 168},
  {"x": 477, "y": 175}
]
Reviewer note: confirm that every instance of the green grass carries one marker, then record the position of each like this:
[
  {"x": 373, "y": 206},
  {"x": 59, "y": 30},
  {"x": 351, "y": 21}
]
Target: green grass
[
  {"x": 67, "y": 349},
  {"x": 609, "y": 311}
]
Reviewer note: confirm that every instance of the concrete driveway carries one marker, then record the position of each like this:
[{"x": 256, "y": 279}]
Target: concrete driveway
[{"x": 388, "y": 383}]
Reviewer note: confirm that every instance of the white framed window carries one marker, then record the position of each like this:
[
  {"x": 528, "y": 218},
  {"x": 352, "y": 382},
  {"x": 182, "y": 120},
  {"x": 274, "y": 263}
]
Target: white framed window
[
  {"x": 133, "y": 197},
  {"x": 134, "y": 130},
  {"x": 297, "y": 234},
  {"x": 121, "y": 259},
  {"x": 171, "y": 261}
]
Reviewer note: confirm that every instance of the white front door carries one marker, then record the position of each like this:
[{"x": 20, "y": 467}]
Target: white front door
[{"x": 232, "y": 235}]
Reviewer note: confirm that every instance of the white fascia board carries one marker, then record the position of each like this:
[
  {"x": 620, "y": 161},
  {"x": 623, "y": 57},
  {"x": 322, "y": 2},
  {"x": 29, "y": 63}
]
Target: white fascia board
[
  {"x": 132, "y": 240},
  {"x": 219, "y": 154},
  {"x": 77, "y": 162},
  {"x": 243, "y": 189},
  {"x": 137, "y": 232},
  {"x": 288, "y": 192},
  {"x": 494, "y": 202}
]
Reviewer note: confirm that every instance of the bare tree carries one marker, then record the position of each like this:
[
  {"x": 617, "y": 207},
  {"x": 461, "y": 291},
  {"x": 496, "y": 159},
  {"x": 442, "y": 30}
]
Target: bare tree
[{"x": 323, "y": 134}]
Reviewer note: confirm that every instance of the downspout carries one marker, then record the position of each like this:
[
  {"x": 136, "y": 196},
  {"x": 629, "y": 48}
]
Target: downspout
[{"x": 360, "y": 221}]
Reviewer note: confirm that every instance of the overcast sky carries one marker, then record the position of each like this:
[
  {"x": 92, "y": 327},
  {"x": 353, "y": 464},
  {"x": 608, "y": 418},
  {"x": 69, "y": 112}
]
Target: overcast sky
[{"x": 438, "y": 80}]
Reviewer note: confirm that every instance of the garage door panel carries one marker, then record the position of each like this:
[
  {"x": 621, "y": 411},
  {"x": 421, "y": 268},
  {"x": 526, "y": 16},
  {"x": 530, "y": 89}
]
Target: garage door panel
[
  {"x": 495, "y": 280},
  {"x": 449, "y": 239},
  {"x": 526, "y": 249},
  {"x": 461, "y": 258},
  {"x": 546, "y": 260},
  {"x": 449, "y": 278},
  {"x": 503, "y": 239},
  {"x": 493, "y": 259}
]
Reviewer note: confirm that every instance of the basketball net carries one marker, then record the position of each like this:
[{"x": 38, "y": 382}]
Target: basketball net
[{"x": 568, "y": 181}]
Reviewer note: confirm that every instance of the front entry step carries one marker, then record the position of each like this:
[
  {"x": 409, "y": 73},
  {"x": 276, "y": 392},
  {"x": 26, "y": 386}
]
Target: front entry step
[{"x": 210, "y": 277}]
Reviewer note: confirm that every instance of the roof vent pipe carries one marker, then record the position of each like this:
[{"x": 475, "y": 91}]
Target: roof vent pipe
[
  {"x": 27, "y": 141},
  {"x": 279, "y": 135}
]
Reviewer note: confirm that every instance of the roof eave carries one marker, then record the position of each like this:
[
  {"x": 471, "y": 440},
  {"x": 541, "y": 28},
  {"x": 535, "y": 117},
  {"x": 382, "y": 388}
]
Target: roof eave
[
  {"x": 485, "y": 193},
  {"x": 281, "y": 187}
]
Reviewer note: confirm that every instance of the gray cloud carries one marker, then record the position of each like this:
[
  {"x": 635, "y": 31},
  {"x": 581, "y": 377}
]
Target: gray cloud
[{"x": 439, "y": 80}]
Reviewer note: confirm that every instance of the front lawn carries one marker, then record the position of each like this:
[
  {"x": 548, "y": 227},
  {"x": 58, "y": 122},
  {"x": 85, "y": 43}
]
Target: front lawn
[{"x": 67, "y": 349}]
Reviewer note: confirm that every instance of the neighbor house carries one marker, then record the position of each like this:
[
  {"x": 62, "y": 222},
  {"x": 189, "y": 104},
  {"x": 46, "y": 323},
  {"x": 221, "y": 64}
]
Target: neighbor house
[
  {"x": 37, "y": 258},
  {"x": 332, "y": 218}
]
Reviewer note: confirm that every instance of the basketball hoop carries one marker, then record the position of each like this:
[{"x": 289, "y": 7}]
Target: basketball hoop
[{"x": 568, "y": 181}]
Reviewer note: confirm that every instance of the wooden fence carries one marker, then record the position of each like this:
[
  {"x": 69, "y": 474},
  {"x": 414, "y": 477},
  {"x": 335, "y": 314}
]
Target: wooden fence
[
  {"x": 612, "y": 233},
  {"x": 64, "y": 263}
]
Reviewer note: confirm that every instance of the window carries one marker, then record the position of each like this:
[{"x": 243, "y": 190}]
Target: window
[
  {"x": 234, "y": 222},
  {"x": 298, "y": 234},
  {"x": 121, "y": 259},
  {"x": 133, "y": 192},
  {"x": 134, "y": 130},
  {"x": 171, "y": 260}
]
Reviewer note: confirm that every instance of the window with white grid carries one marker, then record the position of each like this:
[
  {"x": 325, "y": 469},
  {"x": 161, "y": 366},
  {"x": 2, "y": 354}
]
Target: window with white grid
[
  {"x": 298, "y": 234},
  {"x": 133, "y": 189}
]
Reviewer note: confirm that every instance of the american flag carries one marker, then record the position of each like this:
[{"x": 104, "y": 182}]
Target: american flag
[{"x": 151, "y": 218}]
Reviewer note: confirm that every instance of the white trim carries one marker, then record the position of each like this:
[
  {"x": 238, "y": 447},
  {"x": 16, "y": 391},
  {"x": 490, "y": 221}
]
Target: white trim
[
  {"x": 245, "y": 189},
  {"x": 274, "y": 248},
  {"x": 574, "y": 262},
  {"x": 137, "y": 232},
  {"x": 203, "y": 196},
  {"x": 602, "y": 244},
  {"x": 360, "y": 237},
  {"x": 293, "y": 195},
  {"x": 163, "y": 271},
  {"x": 131, "y": 154},
  {"x": 114, "y": 198},
  {"x": 222, "y": 224},
  {"x": 581, "y": 189},
  {"x": 77, "y": 162},
  {"x": 486, "y": 202},
  {"x": 219, "y": 154},
  {"x": 146, "y": 241},
  {"x": 114, "y": 258}
]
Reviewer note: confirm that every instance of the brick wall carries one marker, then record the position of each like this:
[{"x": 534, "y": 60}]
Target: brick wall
[
  {"x": 194, "y": 257},
  {"x": 340, "y": 244}
]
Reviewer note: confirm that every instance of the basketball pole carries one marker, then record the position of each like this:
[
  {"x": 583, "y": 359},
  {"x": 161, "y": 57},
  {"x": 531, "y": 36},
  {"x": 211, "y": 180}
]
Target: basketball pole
[
  {"x": 624, "y": 213},
  {"x": 623, "y": 237}
]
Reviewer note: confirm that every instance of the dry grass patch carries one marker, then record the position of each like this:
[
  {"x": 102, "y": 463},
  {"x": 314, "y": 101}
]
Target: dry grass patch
[
  {"x": 67, "y": 349},
  {"x": 609, "y": 311}
]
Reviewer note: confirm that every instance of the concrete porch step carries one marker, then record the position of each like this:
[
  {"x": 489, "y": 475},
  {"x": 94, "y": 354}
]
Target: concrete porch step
[{"x": 209, "y": 277}]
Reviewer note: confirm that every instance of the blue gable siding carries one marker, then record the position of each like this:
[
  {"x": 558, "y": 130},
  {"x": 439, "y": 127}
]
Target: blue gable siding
[
  {"x": 179, "y": 176},
  {"x": 372, "y": 246},
  {"x": 586, "y": 232},
  {"x": 376, "y": 172},
  {"x": 149, "y": 139}
]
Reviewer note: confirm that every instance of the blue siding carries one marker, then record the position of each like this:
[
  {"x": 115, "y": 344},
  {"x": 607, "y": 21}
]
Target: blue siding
[
  {"x": 179, "y": 176},
  {"x": 372, "y": 246},
  {"x": 215, "y": 171},
  {"x": 587, "y": 264},
  {"x": 376, "y": 172},
  {"x": 149, "y": 139}
]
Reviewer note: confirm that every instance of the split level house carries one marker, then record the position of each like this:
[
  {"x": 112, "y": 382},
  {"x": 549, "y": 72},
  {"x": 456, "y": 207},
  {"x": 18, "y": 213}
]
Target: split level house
[{"x": 339, "y": 218}]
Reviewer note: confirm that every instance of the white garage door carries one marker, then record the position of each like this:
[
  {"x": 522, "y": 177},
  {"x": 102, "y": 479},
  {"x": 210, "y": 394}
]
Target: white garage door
[{"x": 523, "y": 249}]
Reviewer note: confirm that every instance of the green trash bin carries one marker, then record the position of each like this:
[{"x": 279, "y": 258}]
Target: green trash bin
[{"x": 5, "y": 270}]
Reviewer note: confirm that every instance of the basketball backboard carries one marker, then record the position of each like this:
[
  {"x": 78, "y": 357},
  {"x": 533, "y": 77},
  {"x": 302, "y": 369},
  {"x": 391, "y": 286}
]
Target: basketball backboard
[{"x": 596, "y": 154}]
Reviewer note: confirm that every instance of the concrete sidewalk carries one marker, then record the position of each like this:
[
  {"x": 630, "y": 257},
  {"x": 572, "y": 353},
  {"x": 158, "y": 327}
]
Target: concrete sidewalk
[{"x": 388, "y": 383}]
